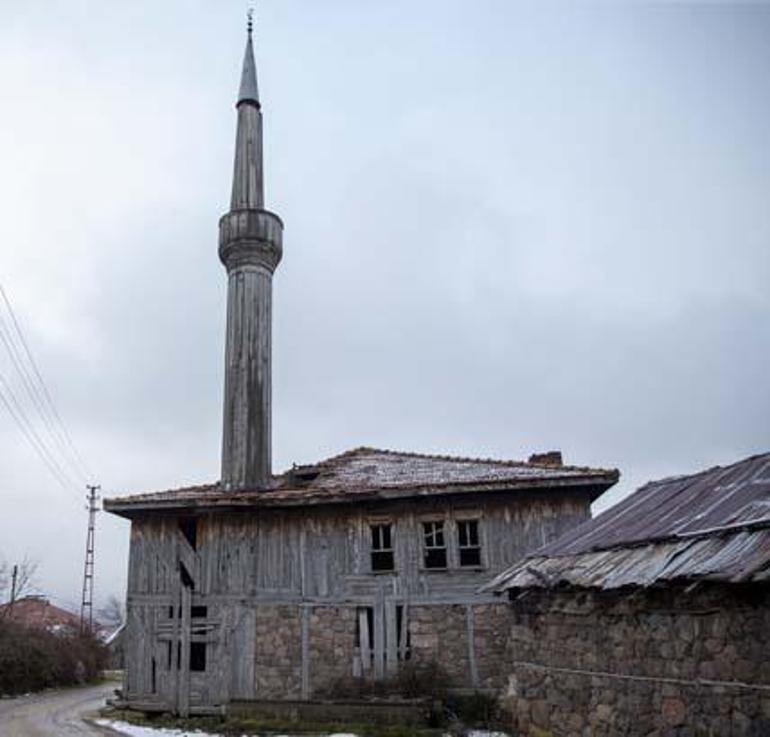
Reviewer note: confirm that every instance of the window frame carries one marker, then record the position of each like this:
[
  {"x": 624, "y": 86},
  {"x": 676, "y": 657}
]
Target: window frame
[
  {"x": 423, "y": 522},
  {"x": 462, "y": 519},
  {"x": 380, "y": 523}
]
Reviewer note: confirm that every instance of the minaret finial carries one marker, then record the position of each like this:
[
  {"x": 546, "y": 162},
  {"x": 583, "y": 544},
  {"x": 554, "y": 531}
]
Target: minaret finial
[{"x": 248, "y": 91}]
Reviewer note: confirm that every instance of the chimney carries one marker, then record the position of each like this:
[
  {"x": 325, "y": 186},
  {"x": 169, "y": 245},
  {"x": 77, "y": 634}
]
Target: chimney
[{"x": 551, "y": 458}]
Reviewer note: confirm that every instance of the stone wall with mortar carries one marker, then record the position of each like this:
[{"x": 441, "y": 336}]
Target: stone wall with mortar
[
  {"x": 331, "y": 646},
  {"x": 644, "y": 663},
  {"x": 278, "y": 652},
  {"x": 466, "y": 641}
]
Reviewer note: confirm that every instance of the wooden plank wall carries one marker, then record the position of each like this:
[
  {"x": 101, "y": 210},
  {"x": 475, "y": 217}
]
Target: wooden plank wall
[{"x": 311, "y": 556}]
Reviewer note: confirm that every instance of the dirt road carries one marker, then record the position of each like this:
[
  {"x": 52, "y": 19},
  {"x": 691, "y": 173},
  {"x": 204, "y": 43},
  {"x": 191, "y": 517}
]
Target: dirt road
[{"x": 54, "y": 713}]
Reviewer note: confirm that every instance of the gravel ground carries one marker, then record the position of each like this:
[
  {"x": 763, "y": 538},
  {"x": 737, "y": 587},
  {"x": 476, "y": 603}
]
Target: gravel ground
[{"x": 54, "y": 713}]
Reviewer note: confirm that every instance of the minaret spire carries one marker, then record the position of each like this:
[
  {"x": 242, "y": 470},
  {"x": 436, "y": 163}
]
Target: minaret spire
[
  {"x": 250, "y": 247},
  {"x": 249, "y": 91}
]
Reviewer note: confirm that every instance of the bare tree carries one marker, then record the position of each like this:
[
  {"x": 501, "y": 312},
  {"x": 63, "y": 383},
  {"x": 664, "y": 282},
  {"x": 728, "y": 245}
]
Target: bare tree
[
  {"x": 17, "y": 579},
  {"x": 113, "y": 613},
  {"x": 23, "y": 582}
]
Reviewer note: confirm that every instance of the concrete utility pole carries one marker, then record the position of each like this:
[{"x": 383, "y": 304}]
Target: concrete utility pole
[
  {"x": 250, "y": 247},
  {"x": 87, "y": 604}
]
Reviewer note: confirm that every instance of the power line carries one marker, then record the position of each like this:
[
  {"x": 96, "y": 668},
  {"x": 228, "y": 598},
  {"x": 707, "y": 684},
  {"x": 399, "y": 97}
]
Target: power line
[
  {"x": 59, "y": 423},
  {"x": 42, "y": 401},
  {"x": 8, "y": 399}
]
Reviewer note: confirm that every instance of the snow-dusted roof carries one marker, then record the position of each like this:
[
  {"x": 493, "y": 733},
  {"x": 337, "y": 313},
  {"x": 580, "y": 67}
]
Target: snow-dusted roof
[{"x": 370, "y": 473}]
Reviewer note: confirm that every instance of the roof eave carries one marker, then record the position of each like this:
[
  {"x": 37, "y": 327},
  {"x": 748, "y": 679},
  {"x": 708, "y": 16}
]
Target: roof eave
[{"x": 592, "y": 484}]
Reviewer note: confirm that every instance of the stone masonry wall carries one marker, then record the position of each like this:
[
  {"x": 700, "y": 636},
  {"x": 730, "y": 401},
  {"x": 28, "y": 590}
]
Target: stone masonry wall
[
  {"x": 331, "y": 646},
  {"x": 491, "y": 623},
  {"x": 278, "y": 652},
  {"x": 439, "y": 635},
  {"x": 654, "y": 663}
]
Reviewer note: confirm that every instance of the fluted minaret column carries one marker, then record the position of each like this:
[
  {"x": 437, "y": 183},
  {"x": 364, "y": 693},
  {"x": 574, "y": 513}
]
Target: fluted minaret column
[{"x": 250, "y": 247}]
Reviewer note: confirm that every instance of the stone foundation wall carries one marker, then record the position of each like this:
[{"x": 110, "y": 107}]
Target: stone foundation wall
[
  {"x": 332, "y": 645},
  {"x": 278, "y": 652},
  {"x": 439, "y": 634},
  {"x": 645, "y": 664},
  {"x": 491, "y": 624}
]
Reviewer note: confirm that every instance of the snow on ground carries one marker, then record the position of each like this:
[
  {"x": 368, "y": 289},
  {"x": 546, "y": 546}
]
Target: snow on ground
[{"x": 134, "y": 730}]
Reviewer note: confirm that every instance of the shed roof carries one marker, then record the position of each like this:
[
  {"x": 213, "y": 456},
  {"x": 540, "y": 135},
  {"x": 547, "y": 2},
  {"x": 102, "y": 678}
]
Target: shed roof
[
  {"x": 711, "y": 525},
  {"x": 371, "y": 474}
]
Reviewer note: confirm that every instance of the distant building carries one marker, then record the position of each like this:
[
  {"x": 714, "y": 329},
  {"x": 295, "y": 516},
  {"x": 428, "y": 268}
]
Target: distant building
[
  {"x": 38, "y": 612},
  {"x": 652, "y": 618},
  {"x": 281, "y": 586}
]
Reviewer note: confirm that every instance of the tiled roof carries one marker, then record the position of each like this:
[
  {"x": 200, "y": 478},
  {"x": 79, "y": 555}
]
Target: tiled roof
[
  {"x": 39, "y": 613},
  {"x": 369, "y": 473},
  {"x": 711, "y": 525}
]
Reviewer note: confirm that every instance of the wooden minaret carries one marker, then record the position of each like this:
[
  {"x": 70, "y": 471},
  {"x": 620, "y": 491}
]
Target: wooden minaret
[{"x": 250, "y": 247}]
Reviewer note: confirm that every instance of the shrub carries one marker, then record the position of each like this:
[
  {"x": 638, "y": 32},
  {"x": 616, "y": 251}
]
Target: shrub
[{"x": 33, "y": 659}]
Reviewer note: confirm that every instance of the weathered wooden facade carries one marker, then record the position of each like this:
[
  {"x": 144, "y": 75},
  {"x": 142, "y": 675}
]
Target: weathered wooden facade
[
  {"x": 343, "y": 569},
  {"x": 263, "y": 586}
]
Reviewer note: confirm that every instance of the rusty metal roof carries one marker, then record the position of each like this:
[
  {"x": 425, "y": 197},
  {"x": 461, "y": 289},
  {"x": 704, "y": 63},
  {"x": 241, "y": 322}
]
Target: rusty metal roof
[
  {"x": 712, "y": 525},
  {"x": 369, "y": 473}
]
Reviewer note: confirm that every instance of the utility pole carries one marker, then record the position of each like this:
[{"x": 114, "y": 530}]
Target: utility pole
[
  {"x": 87, "y": 605},
  {"x": 14, "y": 577}
]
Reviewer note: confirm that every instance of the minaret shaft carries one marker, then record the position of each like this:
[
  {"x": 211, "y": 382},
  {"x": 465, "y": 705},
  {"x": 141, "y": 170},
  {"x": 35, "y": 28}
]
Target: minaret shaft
[
  {"x": 248, "y": 185},
  {"x": 250, "y": 247}
]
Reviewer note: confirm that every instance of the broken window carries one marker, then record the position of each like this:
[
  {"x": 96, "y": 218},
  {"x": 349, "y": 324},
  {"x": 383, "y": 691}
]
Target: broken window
[
  {"x": 403, "y": 638},
  {"x": 382, "y": 548},
  {"x": 468, "y": 542},
  {"x": 188, "y": 526},
  {"x": 434, "y": 545},
  {"x": 197, "y": 656}
]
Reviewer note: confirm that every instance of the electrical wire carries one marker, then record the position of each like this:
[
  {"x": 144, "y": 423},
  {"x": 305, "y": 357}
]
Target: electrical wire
[{"x": 82, "y": 467}]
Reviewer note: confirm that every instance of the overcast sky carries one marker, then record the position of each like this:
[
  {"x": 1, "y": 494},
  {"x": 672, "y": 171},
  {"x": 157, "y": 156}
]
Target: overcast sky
[{"x": 510, "y": 227}]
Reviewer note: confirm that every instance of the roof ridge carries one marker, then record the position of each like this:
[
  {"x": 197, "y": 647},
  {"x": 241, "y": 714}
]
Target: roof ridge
[{"x": 461, "y": 459}]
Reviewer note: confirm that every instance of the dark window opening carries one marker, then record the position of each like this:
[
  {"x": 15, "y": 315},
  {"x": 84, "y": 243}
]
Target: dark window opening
[
  {"x": 199, "y": 612},
  {"x": 186, "y": 577},
  {"x": 178, "y": 655},
  {"x": 189, "y": 528},
  {"x": 403, "y": 637},
  {"x": 304, "y": 474},
  {"x": 171, "y": 612},
  {"x": 434, "y": 545},
  {"x": 169, "y": 651},
  {"x": 153, "y": 678},
  {"x": 368, "y": 624},
  {"x": 468, "y": 542},
  {"x": 382, "y": 548},
  {"x": 197, "y": 657}
]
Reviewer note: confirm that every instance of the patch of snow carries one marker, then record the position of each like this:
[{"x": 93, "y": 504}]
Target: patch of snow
[{"x": 134, "y": 730}]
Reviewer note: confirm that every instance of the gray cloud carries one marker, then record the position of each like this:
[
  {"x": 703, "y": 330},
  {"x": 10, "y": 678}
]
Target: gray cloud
[{"x": 509, "y": 227}]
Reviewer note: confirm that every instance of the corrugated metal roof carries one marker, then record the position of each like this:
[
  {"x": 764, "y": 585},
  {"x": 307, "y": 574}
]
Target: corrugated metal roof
[
  {"x": 711, "y": 525},
  {"x": 369, "y": 473}
]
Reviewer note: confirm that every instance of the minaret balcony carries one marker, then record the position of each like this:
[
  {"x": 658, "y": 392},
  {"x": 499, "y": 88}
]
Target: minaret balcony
[{"x": 250, "y": 238}]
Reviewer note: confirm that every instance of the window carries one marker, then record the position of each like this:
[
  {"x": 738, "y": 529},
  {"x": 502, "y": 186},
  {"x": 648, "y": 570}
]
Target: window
[
  {"x": 434, "y": 545},
  {"x": 382, "y": 548},
  {"x": 188, "y": 526},
  {"x": 468, "y": 542},
  {"x": 197, "y": 657}
]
